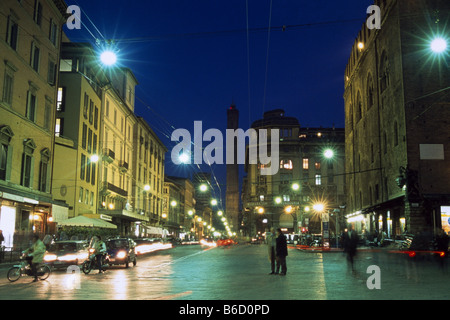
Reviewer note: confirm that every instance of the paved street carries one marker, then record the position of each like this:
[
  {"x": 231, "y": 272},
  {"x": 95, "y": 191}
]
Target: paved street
[{"x": 240, "y": 273}]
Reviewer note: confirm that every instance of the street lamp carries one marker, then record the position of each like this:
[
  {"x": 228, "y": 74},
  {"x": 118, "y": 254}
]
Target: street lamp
[
  {"x": 108, "y": 58},
  {"x": 295, "y": 186},
  {"x": 328, "y": 153},
  {"x": 438, "y": 45},
  {"x": 184, "y": 158},
  {"x": 318, "y": 207},
  {"x": 203, "y": 187}
]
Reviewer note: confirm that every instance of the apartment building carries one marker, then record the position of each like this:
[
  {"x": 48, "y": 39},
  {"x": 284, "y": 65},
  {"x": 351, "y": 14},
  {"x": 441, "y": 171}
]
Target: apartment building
[{"x": 30, "y": 39}]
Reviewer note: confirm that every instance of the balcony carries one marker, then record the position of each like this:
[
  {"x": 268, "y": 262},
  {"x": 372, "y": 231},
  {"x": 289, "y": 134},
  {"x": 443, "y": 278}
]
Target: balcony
[
  {"x": 108, "y": 155},
  {"x": 123, "y": 166},
  {"x": 117, "y": 190}
]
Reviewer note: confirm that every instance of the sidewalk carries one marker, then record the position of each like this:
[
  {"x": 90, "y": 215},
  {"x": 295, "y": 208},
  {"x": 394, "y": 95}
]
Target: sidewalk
[{"x": 333, "y": 249}]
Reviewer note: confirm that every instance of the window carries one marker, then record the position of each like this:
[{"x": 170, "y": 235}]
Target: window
[
  {"x": 8, "y": 83},
  {"x": 84, "y": 136},
  {"x": 96, "y": 117},
  {"x": 31, "y": 106},
  {"x": 59, "y": 127},
  {"x": 317, "y": 165},
  {"x": 91, "y": 111},
  {"x": 35, "y": 56},
  {"x": 93, "y": 173},
  {"x": 358, "y": 107},
  {"x": 369, "y": 92},
  {"x": 65, "y": 65},
  {"x": 89, "y": 141},
  {"x": 12, "y": 33},
  {"x": 3, "y": 160},
  {"x": 86, "y": 105},
  {"x": 51, "y": 75},
  {"x": 38, "y": 12},
  {"x": 88, "y": 170},
  {"x": 83, "y": 166},
  {"x": 305, "y": 163},
  {"x": 5, "y": 153},
  {"x": 43, "y": 170},
  {"x": 47, "y": 114},
  {"x": 53, "y": 32},
  {"x": 318, "y": 179},
  {"x": 80, "y": 195},
  {"x": 384, "y": 72},
  {"x": 286, "y": 164},
  {"x": 61, "y": 99},
  {"x": 27, "y": 163},
  {"x": 94, "y": 144}
]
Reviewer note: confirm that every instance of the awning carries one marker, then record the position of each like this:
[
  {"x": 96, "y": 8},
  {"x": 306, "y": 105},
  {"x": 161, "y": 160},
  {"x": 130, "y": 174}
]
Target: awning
[{"x": 82, "y": 221}]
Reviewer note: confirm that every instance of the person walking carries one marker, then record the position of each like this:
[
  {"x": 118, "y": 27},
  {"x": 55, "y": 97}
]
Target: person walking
[
  {"x": 281, "y": 252},
  {"x": 350, "y": 242},
  {"x": 271, "y": 245}
]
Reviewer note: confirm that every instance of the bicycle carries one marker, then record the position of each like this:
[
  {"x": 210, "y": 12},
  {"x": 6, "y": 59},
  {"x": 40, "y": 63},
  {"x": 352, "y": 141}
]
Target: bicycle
[{"x": 23, "y": 269}]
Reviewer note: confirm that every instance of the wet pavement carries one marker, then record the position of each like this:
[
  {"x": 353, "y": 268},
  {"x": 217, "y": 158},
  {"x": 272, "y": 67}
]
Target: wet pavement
[{"x": 241, "y": 272}]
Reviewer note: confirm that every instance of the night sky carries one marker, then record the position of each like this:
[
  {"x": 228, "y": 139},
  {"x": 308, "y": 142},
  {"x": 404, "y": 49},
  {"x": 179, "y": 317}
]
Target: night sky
[{"x": 194, "y": 58}]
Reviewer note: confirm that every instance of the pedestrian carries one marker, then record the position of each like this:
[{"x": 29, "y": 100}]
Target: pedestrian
[
  {"x": 350, "y": 242},
  {"x": 35, "y": 255},
  {"x": 281, "y": 252},
  {"x": 271, "y": 245},
  {"x": 442, "y": 241}
]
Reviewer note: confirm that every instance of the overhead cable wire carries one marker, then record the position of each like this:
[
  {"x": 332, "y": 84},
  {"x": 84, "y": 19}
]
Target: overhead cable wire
[{"x": 267, "y": 58}]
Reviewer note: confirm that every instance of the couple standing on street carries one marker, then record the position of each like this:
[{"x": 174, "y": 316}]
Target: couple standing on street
[{"x": 277, "y": 246}]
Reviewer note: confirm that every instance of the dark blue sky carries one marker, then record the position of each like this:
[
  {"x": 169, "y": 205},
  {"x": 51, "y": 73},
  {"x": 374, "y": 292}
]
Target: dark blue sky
[{"x": 188, "y": 69}]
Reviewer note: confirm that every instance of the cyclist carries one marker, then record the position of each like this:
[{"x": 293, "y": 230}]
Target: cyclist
[
  {"x": 35, "y": 255},
  {"x": 100, "y": 250}
]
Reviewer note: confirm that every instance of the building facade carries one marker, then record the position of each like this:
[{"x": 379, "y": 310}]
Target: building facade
[
  {"x": 77, "y": 129},
  {"x": 306, "y": 177},
  {"x": 30, "y": 39},
  {"x": 397, "y": 112},
  {"x": 148, "y": 179}
]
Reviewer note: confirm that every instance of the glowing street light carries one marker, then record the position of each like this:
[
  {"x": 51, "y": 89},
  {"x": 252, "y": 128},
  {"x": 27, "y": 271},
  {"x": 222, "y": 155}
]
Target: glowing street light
[
  {"x": 213, "y": 202},
  {"x": 203, "y": 187},
  {"x": 438, "y": 45},
  {"x": 220, "y": 213},
  {"x": 318, "y": 207},
  {"x": 147, "y": 187},
  {"x": 108, "y": 58},
  {"x": 173, "y": 203},
  {"x": 278, "y": 200},
  {"x": 295, "y": 186},
  {"x": 184, "y": 158},
  {"x": 328, "y": 153}
]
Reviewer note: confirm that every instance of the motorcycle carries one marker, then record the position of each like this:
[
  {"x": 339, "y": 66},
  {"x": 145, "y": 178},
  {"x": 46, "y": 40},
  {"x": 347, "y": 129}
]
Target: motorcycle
[
  {"x": 23, "y": 269},
  {"x": 91, "y": 262}
]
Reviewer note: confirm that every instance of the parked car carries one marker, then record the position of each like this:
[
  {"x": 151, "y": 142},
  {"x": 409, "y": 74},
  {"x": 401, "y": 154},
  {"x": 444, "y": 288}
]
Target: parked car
[
  {"x": 62, "y": 254},
  {"x": 121, "y": 251}
]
